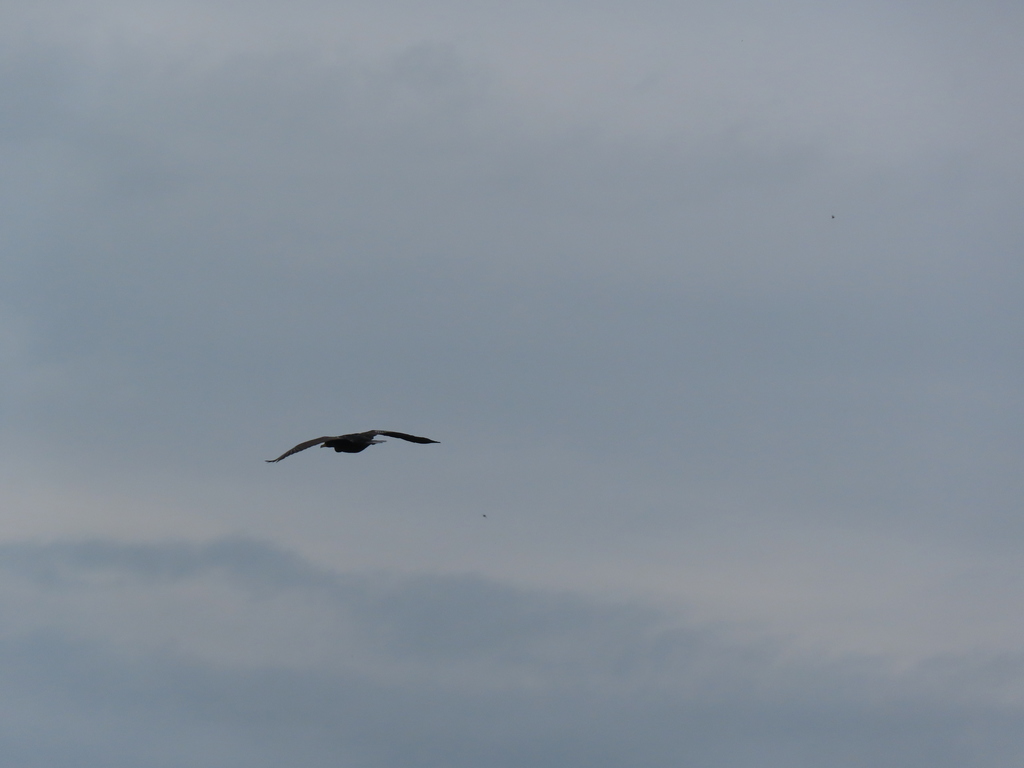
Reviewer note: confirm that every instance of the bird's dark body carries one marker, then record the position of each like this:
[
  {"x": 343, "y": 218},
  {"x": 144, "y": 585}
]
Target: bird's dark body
[
  {"x": 354, "y": 443},
  {"x": 346, "y": 446}
]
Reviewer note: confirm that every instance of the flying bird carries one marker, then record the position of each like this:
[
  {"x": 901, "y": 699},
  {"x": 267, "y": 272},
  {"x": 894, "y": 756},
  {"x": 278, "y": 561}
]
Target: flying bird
[{"x": 354, "y": 443}]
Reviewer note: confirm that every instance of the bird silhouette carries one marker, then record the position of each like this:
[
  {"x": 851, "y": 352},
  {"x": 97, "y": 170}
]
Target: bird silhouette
[{"x": 354, "y": 443}]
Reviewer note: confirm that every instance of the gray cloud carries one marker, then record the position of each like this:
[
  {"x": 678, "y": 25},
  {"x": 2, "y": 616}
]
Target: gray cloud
[{"x": 557, "y": 679}]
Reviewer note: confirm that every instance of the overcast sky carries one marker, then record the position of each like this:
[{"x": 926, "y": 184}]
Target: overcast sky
[{"x": 716, "y": 309}]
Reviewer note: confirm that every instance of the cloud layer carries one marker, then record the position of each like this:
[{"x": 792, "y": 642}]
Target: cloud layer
[{"x": 238, "y": 651}]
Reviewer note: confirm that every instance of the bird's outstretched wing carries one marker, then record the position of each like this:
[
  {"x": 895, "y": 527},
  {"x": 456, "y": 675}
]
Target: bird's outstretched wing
[
  {"x": 300, "y": 447},
  {"x": 403, "y": 436}
]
